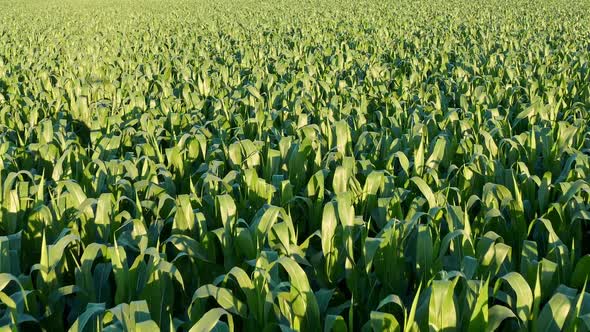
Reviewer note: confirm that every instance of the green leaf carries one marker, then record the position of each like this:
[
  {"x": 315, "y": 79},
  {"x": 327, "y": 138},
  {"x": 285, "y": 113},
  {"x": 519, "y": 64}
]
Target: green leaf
[
  {"x": 523, "y": 293},
  {"x": 93, "y": 310},
  {"x": 497, "y": 315},
  {"x": 224, "y": 298},
  {"x": 554, "y": 313},
  {"x": 304, "y": 303},
  {"x": 210, "y": 319},
  {"x": 581, "y": 272},
  {"x": 479, "y": 314},
  {"x": 335, "y": 323},
  {"x": 442, "y": 312},
  {"x": 426, "y": 191},
  {"x": 384, "y": 322}
]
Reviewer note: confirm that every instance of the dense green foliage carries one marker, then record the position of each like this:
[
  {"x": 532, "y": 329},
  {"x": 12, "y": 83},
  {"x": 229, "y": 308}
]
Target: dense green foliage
[{"x": 295, "y": 165}]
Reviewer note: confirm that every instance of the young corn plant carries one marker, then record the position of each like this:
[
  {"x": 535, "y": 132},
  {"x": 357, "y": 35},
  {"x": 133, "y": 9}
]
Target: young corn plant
[{"x": 294, "y": 166}]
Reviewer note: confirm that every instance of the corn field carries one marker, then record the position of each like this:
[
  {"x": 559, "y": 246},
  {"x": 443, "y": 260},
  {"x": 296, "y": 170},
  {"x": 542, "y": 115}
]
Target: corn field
[{"x": 200, "y": 165}]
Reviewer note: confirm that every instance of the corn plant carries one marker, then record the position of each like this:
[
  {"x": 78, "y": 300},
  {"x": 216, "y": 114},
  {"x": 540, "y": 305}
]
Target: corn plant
[{"x": 294, "y": 165}]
